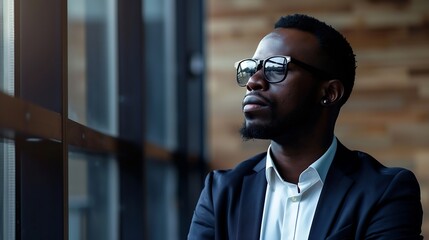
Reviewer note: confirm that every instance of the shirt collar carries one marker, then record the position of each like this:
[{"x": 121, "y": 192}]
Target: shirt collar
[
  {"x": 321, "y": 165},
  {"x": 324, "y": 162}
]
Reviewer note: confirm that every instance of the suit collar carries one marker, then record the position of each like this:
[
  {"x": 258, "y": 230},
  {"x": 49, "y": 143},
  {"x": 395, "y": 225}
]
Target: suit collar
[
  {"x": 252, "y": 203},
  {"x": 261, "y": 164},
  {"x": 333, "y": 193}
]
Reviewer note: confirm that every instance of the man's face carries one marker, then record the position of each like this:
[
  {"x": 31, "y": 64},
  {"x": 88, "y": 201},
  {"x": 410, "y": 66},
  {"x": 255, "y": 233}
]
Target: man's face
[{"x": 278, "y": 110}]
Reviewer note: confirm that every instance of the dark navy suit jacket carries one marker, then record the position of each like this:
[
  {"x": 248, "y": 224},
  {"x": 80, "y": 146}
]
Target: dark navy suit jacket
[{"x": 360, "y": 199}]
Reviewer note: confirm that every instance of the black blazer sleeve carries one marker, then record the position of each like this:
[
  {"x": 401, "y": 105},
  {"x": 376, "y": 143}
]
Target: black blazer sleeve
[
  {"x": 203, "y": 221},
  {"x": 231, "y": 203}
]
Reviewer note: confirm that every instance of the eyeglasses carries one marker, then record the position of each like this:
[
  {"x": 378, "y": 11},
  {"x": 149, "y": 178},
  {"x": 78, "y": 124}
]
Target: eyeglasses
[{"x": 274, "y": 69}]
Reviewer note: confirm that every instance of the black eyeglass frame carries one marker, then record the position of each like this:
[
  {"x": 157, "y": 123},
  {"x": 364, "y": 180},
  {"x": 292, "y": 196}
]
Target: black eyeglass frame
[{"x": 260, "y": 63}]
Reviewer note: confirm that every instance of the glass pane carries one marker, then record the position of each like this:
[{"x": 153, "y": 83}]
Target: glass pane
[
  {"x": 160, "y": 77},
  {"x": 7, "y": 189},
  {"x": 92, "y": 76},
  {"x": 7, "y": 147},
  {"x": 93, "y": 197},
  {"x": 7, "y": 46}
]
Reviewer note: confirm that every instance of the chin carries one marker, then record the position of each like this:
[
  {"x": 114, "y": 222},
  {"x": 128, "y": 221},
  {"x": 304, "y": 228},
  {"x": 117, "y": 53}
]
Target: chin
[{"x": 255, "y": 132}]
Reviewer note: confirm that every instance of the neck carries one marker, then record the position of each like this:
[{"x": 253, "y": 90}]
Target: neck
[{"x": 294, "y": 156}]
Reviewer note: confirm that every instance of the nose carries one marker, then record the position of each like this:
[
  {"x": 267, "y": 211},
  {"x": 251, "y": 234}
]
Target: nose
[{"x": 257, "y": 82}]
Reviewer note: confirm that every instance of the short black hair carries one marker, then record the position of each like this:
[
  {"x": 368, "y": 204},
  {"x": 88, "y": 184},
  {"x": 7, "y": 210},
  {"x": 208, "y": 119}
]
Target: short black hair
[{"x": 331, "y": 42}]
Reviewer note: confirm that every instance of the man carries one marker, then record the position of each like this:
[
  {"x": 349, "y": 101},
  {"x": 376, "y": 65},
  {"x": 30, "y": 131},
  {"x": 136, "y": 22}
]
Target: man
[{"x": 308, "y": 185}]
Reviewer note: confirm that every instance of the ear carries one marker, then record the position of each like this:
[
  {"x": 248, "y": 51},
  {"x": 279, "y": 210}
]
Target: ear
[{"x": 333, "y": 92}]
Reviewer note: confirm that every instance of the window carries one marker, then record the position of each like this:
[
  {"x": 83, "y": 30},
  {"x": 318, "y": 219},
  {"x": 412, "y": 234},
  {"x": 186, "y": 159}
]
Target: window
[
  {"x": 64, "y": 134},
  {"x": 7, "y": 189},
  {"x": 7, "y": 147},
  {"x": 92, "y": 77},
  {"x": 7, "y": 46},
  {"x": 174, "y": 103},
  {"x": 93, "y": 197},
  {"x": 92, "y": 66},
  {"x": 77, "y": 144}
]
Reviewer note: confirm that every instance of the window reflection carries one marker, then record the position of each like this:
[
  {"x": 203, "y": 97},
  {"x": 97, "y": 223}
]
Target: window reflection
[
  {"x": 92, "y": 86},
  {"x": 160, "y": 72},
  {"x": 92, "y": 71},
  {"x": 7, "y": 46},
  {"x": 7, "y": 189},
  {"x": 7, "y": 147},
  {"x": 93, "y": 197}
]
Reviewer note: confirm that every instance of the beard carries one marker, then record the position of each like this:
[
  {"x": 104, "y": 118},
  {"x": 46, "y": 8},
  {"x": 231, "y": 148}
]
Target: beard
[
  {"x": 288, "y": 127},
  {"x": 255, "y": 132}
]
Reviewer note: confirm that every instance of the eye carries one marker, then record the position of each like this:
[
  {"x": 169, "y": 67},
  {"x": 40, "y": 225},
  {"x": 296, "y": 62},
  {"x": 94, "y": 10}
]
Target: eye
[{"x": 275, "y": 69}]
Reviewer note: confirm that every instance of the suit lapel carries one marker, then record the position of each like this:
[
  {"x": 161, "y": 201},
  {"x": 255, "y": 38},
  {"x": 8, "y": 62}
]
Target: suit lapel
[
  {"x": 252, "y": 204},
  {"x": 336, "y": 186}
]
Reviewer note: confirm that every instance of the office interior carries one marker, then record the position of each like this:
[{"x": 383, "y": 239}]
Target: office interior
[{"x": 113, "y": 111}]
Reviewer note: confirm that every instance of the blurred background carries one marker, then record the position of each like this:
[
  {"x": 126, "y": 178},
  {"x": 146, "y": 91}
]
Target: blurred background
[{"x": 113, "y": 111}]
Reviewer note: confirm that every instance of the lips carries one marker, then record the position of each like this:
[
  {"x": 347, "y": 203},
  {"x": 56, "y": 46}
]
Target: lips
[{"x": 254, "y": 103}]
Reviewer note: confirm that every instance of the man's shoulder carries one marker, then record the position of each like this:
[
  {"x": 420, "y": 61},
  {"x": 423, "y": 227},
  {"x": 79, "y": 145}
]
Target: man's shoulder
[
  {"x": 363, "y": 166},
  {"x": 246, "y": 167}
]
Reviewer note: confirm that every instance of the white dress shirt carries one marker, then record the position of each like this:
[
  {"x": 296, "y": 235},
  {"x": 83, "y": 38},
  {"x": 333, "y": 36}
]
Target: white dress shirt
[{"x": 289, "y": 208}]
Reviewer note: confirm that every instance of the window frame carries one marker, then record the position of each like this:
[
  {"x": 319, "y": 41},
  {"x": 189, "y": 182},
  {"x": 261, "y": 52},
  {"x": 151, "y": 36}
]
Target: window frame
[{"x": 36, "y": 119}]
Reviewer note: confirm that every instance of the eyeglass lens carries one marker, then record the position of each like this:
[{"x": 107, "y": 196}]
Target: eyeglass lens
[{"x": 274, "y": 68}]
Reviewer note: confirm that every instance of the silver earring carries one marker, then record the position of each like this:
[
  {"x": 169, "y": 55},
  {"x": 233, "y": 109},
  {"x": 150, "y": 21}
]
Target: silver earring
[{"x": 324, "y": 101}]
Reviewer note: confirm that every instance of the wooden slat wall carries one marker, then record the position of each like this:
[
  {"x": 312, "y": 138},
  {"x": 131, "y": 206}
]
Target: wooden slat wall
[{"x": 388, "y": 112}]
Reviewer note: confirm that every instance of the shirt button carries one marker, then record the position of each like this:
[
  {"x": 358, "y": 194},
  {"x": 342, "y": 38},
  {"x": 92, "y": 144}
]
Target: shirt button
[{"x": 295, "y": 199}]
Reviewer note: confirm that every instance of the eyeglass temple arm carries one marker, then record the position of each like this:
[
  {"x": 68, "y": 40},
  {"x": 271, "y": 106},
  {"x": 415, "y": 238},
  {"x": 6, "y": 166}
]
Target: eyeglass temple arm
[{"x": 312, "y": 69}]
